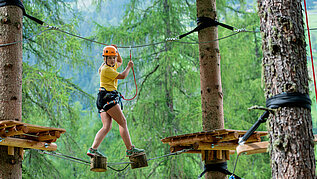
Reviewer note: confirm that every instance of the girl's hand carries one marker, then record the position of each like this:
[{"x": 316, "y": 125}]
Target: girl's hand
[
  {"x": 130, "y": 64},
  {"x": 114, "y": 46}
]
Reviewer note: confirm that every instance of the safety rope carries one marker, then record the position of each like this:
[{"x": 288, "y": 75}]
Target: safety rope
[
  {"x": 27, "y": 39},
  {"x": 234, "y": 168},
  {"x": 85, "y": 162},
  {"x": 310, "y": 48},
  {"x": 81, "y": 161},
  {"x": 175, "y": 39},
  {"x": 136, "y": 86},
  {"x": 170, "y": 154}
]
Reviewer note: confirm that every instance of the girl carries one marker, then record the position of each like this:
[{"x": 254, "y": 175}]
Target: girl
[{"x": 107, "y": 101}]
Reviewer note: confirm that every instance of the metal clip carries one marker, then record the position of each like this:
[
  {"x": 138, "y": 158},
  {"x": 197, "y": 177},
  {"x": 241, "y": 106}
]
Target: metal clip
[
  {"x": 172, "y": 39},
  {"x": 240, "y": 142},
  {"x": 240, "y": 30}
]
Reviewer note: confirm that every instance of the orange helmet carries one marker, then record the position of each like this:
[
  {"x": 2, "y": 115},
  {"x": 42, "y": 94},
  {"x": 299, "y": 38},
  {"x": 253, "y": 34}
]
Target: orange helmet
[{"x": 110, "y": 51}]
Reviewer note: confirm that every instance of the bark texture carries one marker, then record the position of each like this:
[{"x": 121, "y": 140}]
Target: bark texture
[
  {"x": 285, "y": 70},
  {"x": 10, "y": 83},
  {"x": 210, "y": 78}
]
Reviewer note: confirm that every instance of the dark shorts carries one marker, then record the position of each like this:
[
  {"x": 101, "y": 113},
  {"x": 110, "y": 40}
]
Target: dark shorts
[{"x": 106, "y": 100}]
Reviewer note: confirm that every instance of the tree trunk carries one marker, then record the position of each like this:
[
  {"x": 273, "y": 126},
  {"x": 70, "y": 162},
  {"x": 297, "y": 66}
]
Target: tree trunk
[
  {"x": 210, "y": 78},
  {"x": 10, "y": 83},
  {"x": 285, "y": 70},
  {"x": 168, "y": 84}
]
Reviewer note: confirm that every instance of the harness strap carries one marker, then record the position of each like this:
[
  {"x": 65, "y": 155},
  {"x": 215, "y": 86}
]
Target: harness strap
[
  {"x": 279, "y": 100},
  {"x": 220, "y": 167},
  {"x": 204, "y": 22}
]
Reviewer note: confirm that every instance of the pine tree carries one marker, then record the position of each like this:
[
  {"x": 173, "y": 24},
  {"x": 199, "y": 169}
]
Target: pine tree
[{"x": 285, "y": 70}]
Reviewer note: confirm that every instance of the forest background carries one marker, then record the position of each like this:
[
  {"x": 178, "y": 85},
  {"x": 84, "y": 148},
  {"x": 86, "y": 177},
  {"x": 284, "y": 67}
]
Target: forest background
[{"x": 60, "y": 81}]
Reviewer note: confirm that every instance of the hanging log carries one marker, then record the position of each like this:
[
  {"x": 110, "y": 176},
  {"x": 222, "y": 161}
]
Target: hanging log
[
  {"x": 98, "y": 164},
  {"x": 138, "y": 161}
]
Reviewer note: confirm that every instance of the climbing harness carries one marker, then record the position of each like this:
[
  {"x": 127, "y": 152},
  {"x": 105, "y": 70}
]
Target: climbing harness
[
  {"x": 280, "y": 100},
  {"x": 112, "y": 98}
]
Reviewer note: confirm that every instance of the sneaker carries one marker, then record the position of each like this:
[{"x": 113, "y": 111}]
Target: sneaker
[
  {"x": 94, "y": 152},
  {"x": 134, "y": 151}
]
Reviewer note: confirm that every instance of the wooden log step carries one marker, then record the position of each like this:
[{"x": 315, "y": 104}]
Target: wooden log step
[
  {"x": 138, "y": 161},
  {"x": 98, "y": 164}
]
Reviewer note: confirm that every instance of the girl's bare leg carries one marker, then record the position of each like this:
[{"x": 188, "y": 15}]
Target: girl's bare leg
[
  {"x": 116, "y": 113},
  {"x": 101, "y": 134}
]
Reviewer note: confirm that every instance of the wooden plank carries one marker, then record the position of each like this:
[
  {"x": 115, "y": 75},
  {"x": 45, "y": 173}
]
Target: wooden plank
[
  {"x": 16, "y": 130},
  {"x": 217, "y": 146},
  {"x": 52, "y": 135},
  {"x": 25, "y": 143},
  {"x": 254, "y": 138},
  {"x": 32, "y": 128},
  {"x": 6, "y": 124},
  {"x": 258, "y": 147},
  {"x": 253, "y": 148},
  {"x": 231, "y": 136},
  {"x": 210, "y": 134}
]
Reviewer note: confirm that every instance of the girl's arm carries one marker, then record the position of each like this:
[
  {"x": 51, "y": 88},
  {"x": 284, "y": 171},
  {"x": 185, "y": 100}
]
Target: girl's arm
[
  {"x": 125, "y": 73},
  {"x": 119, "y": 59},
  {"x": 99, "y": 70}
]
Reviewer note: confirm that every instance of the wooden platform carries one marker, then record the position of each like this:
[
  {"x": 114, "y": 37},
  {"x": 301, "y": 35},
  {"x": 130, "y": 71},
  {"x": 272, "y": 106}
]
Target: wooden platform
[
  {"x": 19, "y": 134},
  {"x": 219, "y": 143},
  {"x": 215, "y": 140}
]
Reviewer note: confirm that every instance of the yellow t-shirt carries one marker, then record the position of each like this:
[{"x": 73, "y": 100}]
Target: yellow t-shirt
[{"x": 108, "y": 77}]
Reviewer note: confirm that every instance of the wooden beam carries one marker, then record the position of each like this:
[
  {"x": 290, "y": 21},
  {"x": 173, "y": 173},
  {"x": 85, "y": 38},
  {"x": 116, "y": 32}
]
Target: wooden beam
[
  {"x": 49, "y": 136},
  {"x": 10, "y": 150},
  {"x": 25, "y": 143},
  {"x": 252, "y": 148},
  {"x": 229, "y": 137},
  {"x": 218, "y": 146}
]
